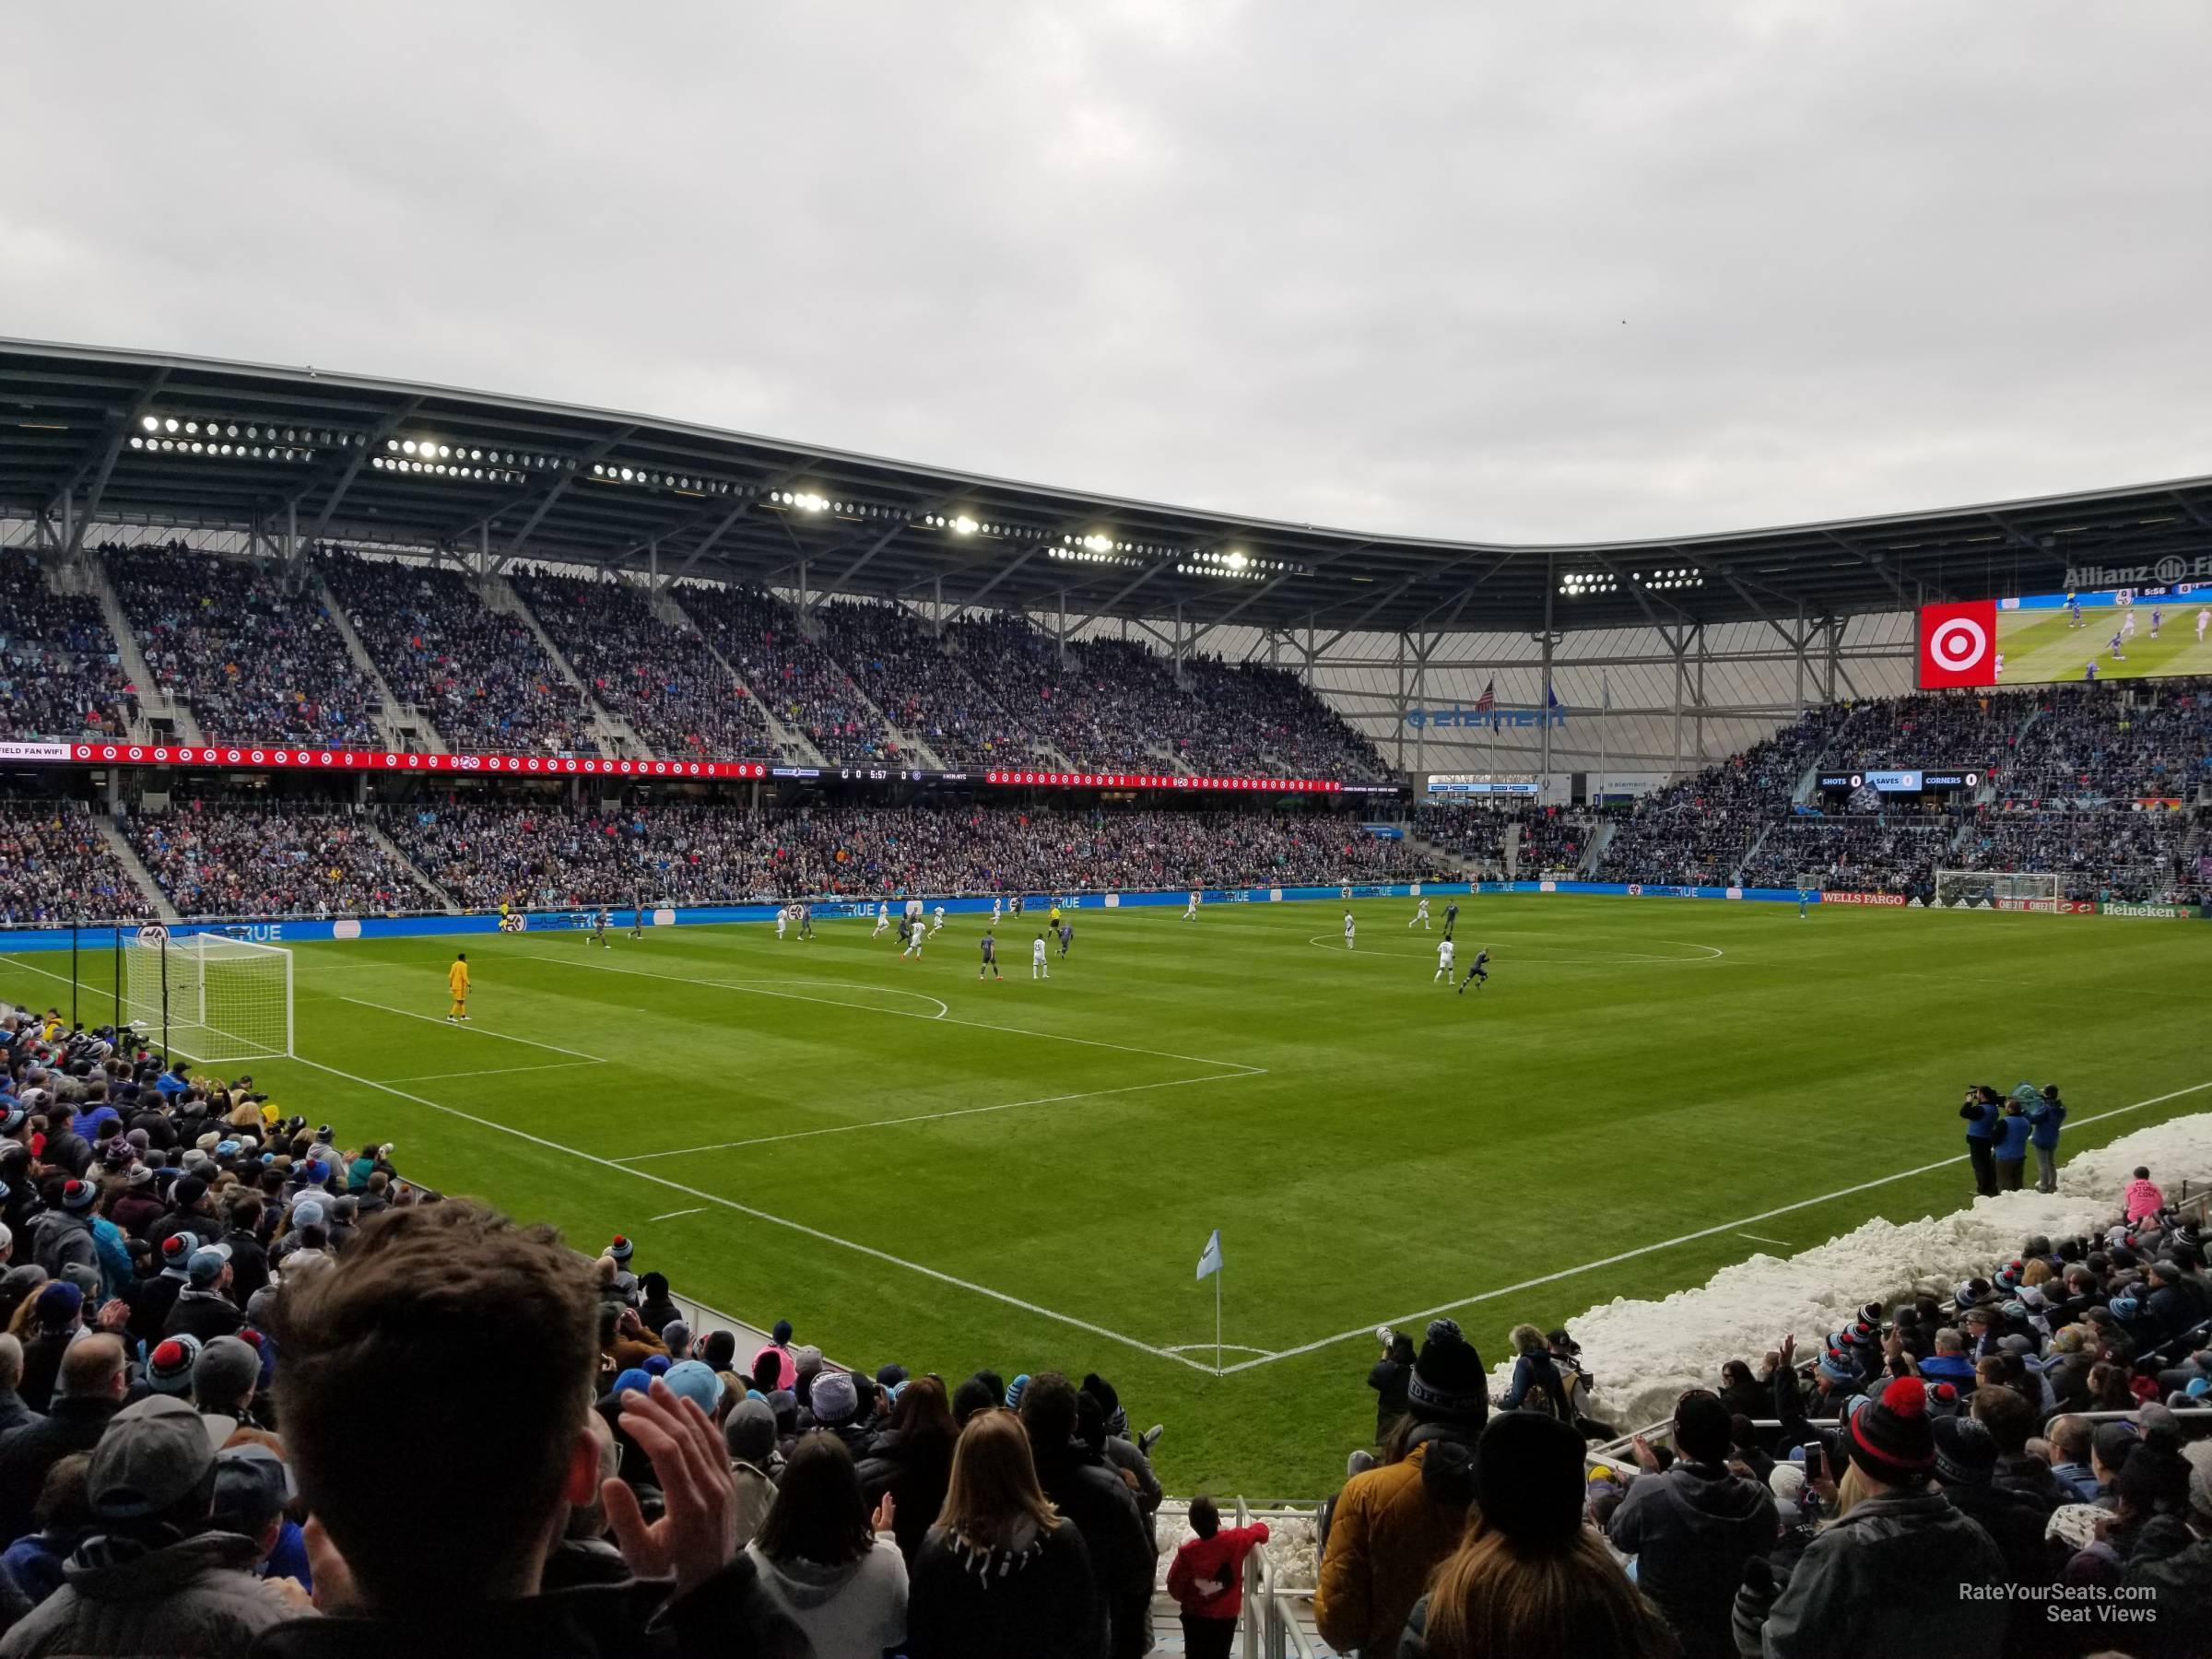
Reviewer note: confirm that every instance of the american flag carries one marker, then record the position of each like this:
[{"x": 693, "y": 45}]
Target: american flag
[{"x": 1488, "y": 700}]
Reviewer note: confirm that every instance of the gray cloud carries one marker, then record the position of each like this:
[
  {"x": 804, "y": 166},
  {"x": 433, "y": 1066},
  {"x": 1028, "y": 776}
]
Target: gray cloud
[{"x": 1593, "y": 270}]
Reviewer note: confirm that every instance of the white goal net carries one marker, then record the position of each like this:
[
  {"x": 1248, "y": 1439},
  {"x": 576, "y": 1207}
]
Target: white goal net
[
  {"x": 208, "y": 997},
  {"x": 1994, "y": 890}
]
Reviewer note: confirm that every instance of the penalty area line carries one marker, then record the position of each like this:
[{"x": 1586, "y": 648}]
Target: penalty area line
[
  {"x": 709, "y": 1199},
  {"x": 1368, "y": 1330}
]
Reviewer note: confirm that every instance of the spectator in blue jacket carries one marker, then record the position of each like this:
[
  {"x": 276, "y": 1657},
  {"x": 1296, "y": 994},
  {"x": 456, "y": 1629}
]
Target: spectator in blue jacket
[
  {"x": 2008, "y": 1146},
  {"x": 1981, "y": 1111},
  {"x": 2044, "y": 1121}
]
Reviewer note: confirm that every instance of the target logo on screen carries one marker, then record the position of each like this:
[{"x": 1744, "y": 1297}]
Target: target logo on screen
[{"x": 1959, "y": 645}]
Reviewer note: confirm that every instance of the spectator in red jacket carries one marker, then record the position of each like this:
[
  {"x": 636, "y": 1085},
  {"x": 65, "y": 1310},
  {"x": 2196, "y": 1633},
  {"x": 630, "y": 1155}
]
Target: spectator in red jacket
[{"x": 1206, "y": 1578}]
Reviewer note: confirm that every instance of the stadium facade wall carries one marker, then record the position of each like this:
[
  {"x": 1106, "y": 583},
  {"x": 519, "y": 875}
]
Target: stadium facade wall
[{"x": 1738, "y": 682}]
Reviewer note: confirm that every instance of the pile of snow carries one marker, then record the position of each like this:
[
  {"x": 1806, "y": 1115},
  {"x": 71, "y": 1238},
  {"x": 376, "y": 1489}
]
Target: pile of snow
[{"x": 1641, "y": 1355}]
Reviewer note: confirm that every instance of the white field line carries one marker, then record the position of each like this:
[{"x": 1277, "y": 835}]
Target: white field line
[
  {"x": 699, "y": 1209},
  {"x": 360, "y": 1002},
  {"x": 1402, "y": 1320},
  {"x": 1617, "y": 960},
  {"x": 816, "y": 1233},
  {"x": 980, "y": 1025},
  {"x": 932, "y": 1117},
  {"x": 496, "y": 1071},
  {"x": 1761, "y": 1239},
  {"x": 843, "y": 985},
  {"x": 1226, "y": 1348}
]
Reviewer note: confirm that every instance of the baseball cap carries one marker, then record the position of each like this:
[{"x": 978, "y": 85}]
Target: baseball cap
[
  {"x": 206, "y": 1264},
  {"x": 251, "y": 1486},
  {"x": 149, "y": 1459}
]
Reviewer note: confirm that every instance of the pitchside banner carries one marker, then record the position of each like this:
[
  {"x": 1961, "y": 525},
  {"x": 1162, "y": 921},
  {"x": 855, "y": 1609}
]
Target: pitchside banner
[{"x": 2086, "y": 636}]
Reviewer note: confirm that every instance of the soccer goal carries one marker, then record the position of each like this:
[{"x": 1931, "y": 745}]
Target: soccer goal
[
  {"x": 1993, "y": 890},
  {"x": 209, "y": 997}
]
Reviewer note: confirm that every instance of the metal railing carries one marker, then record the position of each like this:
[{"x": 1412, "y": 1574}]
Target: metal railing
[{"x": 1272, "y": 1628}]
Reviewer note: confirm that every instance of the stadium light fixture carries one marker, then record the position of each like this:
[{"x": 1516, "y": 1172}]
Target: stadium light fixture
[
  {"x": 152, "y": 423},
  {"x": 964, "y": 525}
]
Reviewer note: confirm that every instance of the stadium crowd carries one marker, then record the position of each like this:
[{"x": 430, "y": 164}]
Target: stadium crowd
[
  {"x": 479, "y": 677},
  {"x": 57, "y": 866},
  {"x": 1698, "y": 831},
  {"x": 59, "y": 677},
  {"x": 1874, "y": 852},
  {"x": 796, "y": 677},
  {"x": 659, "y": 676},
  {"x": 216, "y": 858},
  {"x": 1930, "y": 1482},
  {"x": 247, "y": 647},
  {"x": 1549, "y": 837},
  {"x": 483, "y": 855}
]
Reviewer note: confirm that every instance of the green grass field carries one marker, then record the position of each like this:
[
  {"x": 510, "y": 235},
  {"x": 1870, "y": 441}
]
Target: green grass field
[
  {"x": 908, "y": 1164},
  {"x": 2039, "y": 645}
]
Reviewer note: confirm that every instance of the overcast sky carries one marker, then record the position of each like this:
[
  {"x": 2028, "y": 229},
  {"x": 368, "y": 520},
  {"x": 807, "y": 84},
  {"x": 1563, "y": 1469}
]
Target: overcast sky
[{"x": 1522, "y": 272}]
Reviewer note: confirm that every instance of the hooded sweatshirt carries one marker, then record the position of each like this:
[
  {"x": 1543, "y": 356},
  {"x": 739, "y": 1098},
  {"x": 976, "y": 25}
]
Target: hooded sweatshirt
[
  {"x": 847, "y": 1608},
  {"x": 1692, "y": 1530},
  {"x": 1030, "y": 1597}
]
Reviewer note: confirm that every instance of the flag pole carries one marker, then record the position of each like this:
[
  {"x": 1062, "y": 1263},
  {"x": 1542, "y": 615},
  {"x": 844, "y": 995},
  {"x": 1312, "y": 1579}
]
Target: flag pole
[{"x": 1216, "y": 1322}]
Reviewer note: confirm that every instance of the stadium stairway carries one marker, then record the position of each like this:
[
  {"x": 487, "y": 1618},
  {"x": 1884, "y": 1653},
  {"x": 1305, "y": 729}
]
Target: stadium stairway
[
  {"x": 88, "y": 574},
  {"x": 908, "y": 744},
  {"x": 436, "y": 894},
  {"x": 789, "y": 741},
  {"x": 614, "y": 737},
  {"x": 1595, "y": 855},
  {"x": 401, "y": 729},
  {"x": 157, "y": 902}
]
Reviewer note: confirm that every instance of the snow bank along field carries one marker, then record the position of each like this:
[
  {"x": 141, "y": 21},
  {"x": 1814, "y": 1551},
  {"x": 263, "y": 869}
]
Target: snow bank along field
[{"x": 906, "y": 1162}]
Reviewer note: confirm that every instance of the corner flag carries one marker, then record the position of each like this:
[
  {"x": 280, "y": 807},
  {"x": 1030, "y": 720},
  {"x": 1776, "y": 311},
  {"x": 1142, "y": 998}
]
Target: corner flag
[{"x": 1209, "y": 1259}]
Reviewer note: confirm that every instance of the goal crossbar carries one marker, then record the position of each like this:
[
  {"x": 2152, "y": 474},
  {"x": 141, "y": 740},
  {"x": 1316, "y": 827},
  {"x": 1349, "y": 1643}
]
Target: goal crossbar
[{"x": 1994, "y": 890}]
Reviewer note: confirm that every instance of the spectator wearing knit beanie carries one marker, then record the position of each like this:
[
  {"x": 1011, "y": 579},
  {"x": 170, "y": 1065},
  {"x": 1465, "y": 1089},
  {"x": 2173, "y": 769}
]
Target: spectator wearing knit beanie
[
  {"x": 1391, "y": 1526},
  {"x": 1896, "y": 1571},
  {"x": 1528, "y": 1522}
]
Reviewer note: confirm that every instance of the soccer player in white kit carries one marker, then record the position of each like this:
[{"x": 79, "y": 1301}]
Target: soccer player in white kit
[
  {"x": 2204, "y": 620},
  {"x": 783, "y": 919},
  {"x": 2127, "y": 625},
  {"x": 883, "y": 919},
  {"x": 1190, "y": 912},
  {"x": 998, "y": 909},
  {"x": 914, "y": 941},
  {"x": 1421, "y": 916},
  {"x": 1443, "y": 963},
  {"x": 937, "y": 920},
  {"x": 1036, "y": 967},
  {"x": 1347, "y": 930}
]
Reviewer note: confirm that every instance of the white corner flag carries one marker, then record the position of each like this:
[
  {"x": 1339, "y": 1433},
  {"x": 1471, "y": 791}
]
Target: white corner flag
[{"x": 1209, "y": 1266}]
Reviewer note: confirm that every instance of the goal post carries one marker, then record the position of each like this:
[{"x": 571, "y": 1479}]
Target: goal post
[
  {"x": 1995, "y": 889},
  {"x": 207, "y": 997}
]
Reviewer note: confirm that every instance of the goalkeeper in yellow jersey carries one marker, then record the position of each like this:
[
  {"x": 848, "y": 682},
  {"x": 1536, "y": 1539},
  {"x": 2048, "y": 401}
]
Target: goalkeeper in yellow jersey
[{"x": 456, "y": 980}]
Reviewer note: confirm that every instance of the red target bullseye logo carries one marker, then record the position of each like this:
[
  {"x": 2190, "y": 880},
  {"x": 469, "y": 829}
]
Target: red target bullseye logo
[{"x": 1957, "y": 645}]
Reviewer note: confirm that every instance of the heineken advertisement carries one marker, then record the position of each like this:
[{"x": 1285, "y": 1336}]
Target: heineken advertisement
[{"x": 2156, "y": 912}]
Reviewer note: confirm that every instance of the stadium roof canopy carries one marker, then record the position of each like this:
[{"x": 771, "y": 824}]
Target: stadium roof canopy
[{"x": 143, "y": 437}]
